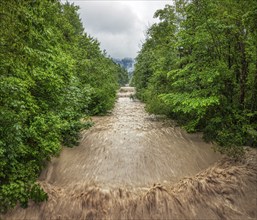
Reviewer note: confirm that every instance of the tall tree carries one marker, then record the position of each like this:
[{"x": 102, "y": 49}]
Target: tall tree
[
  {"x": 52, "y": 75},
  {"x": 209, "y": 81}
]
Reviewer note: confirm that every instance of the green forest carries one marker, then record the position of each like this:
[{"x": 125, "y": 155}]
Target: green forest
[
  {"x": 198, "y": 66},
  {"x": 53, "y": 77}
]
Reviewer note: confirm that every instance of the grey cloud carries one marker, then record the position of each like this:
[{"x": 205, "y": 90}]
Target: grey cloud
[
  {"x": 118, "y": 25},
  {"x": 120, "y": 45},
  {"x": 108, "y": 17}
]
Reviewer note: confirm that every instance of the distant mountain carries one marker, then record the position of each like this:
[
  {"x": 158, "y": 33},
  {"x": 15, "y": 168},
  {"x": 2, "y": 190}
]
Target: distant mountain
[{"x": 127, "y": 63}]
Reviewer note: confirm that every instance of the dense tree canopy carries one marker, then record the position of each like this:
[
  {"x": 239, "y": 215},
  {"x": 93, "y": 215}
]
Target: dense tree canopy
[
  {"x": 199, "y": 67},
  {"x": 52, "y": 75}
]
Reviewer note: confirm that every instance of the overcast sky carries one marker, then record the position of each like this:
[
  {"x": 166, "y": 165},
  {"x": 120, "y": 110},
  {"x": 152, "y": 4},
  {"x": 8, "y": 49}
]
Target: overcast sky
[{"x": 119, "y": 25}]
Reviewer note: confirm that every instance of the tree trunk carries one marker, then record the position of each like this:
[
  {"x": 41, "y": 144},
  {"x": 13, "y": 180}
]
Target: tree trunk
[
  {"x": 254, "y": 93},
  {"x": 243, "y": 74}
]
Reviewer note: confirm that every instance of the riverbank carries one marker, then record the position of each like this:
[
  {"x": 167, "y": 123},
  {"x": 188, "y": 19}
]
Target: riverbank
[{"x": 132, "y": 165}]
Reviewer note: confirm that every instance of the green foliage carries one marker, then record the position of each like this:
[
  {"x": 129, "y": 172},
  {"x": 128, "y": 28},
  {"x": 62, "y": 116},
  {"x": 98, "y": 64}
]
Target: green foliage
[
  {"x": 52, "y": 75},
  {"x": 199, "y": 67},
  {"x": 18, "y": 191},
  {"x": 123, "y": 77}
]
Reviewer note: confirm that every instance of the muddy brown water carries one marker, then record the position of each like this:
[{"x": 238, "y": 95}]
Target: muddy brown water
[
  {"x": 130, "y": 147},
  {"x": 132, "y": 165}
]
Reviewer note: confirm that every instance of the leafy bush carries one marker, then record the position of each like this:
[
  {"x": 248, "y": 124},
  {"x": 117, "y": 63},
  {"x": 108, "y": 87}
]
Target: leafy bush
[
  {"x": 52, "y": 76},
  {"x": 198, "y": 66}
]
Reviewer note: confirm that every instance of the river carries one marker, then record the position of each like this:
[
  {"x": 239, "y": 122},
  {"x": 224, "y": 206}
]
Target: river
[{"x": 132, "y": 165}]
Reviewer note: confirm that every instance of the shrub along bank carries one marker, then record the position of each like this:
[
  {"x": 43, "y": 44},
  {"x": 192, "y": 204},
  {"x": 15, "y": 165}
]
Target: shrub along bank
[
  {"x": 199, "y": 67},
  {"x": 52, "y": 75}
]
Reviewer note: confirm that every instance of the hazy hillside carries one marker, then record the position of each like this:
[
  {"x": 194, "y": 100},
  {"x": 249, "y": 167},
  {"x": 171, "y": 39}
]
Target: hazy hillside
[{"x": 127, "y": 63}]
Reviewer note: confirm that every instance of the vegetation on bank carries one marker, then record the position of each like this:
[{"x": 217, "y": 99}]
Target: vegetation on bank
[
  {"x": 199, "y": 67},
  {"x": 52, "y": 75}
]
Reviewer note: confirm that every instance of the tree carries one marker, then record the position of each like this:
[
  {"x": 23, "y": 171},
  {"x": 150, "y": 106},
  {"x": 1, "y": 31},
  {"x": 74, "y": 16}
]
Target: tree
[
  {"x": 198, "y": 66},
  {"x": 52, "y": 73}
]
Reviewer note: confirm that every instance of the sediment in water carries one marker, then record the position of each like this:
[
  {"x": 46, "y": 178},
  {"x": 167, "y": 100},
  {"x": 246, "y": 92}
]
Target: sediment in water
[
  {"x": 133, "y": 166},
  {"x": 227, "y": 190}
]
